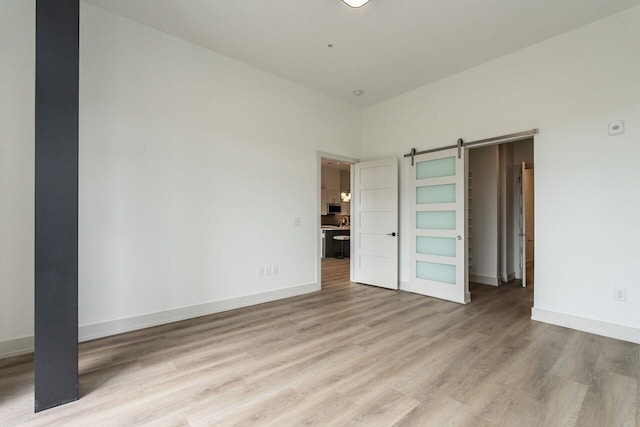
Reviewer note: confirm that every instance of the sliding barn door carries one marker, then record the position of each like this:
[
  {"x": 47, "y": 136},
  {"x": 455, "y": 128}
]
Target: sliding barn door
[{"x": 438, "y": 247}]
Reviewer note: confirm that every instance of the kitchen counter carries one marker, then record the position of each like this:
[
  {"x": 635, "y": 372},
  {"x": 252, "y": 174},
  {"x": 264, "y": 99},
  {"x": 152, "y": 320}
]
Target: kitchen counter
[
  {"x": 333, "y": 248},
  {"x": 334, "y": 227}
]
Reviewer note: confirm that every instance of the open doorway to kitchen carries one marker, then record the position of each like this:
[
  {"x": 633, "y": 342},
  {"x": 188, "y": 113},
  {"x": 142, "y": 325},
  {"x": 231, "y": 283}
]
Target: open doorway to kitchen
[{"x": 335, "y": 220}]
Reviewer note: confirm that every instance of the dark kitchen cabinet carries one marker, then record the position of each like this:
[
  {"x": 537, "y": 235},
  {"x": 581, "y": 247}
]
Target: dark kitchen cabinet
[{"x": 334, "y": 247}]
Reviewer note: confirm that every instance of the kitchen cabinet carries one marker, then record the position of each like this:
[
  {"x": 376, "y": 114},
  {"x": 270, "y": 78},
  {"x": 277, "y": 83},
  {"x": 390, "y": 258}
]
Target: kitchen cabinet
[
  {"x": 333, "y": 183},
  {"x": 345, "y": 185},
  {"x": 328, "y": 196},
  {"x": 333, "y": 196},
  {"x": 330, "y": 178},
  {"x": 333, "y": 247}
]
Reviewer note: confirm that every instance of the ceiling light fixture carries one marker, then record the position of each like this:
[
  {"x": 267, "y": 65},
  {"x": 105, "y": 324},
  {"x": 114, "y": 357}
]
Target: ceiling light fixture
[{"x": 356, "y": 3}]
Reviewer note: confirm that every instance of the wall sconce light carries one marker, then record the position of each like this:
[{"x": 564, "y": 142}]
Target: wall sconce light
[{"x": 345, "y": 197}]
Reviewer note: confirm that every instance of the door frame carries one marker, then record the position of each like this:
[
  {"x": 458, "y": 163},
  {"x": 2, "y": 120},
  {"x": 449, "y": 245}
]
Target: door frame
[
  {"x": 339, "y": 158},
  {"x": 524, "y": 208}
]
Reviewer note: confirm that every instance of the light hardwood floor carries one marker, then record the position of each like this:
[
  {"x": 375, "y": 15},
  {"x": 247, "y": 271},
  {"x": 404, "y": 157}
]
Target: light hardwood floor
[{"x": 349, "y": 355}]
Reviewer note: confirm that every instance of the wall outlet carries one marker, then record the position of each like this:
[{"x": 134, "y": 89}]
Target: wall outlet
[
  {"x": 297, "y": 221},
  {"x": 260, "y": 271},
  {"x": 274, "y": 270},
  {"x": 620, "y": 294}
]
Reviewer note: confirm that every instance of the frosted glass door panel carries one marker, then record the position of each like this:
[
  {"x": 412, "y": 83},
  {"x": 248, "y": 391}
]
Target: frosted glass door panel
[
  {"x": 436, "y": 168},
  {"x": 444, "y": 273},
  {"x": 440, "y": 246},
  {"x": 436, "y": 194},
  {"x": 436, "y": 220}
]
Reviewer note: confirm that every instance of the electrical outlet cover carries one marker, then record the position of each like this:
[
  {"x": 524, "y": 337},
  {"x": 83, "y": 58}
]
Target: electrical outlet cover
[{"x": 620, "y": 295}]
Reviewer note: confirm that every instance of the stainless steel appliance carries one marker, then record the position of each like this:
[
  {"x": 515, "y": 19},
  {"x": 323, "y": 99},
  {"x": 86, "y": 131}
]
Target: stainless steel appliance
[{"x": 334, "y": 208}]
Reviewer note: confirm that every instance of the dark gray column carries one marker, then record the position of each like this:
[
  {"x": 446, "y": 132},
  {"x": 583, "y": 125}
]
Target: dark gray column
[{"x": 56, "y": 203}]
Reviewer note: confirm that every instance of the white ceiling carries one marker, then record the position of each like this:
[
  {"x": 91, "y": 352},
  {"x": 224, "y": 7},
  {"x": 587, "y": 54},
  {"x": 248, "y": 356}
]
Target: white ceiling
[{"x": 385, "y": 48}]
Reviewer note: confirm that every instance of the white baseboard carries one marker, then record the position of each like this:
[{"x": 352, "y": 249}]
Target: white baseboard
[
  {"x": 598, "y": 327},
  {"x": 113, "y": 327},
  {"x": 485, "y": 280},
  {"x": 16, "y": 347}
]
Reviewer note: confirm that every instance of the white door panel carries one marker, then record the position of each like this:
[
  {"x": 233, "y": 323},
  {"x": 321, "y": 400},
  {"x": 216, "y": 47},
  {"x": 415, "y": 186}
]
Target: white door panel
[
  {"x": 375, "y": 224},
  {"x": 375, "y": 245},
  {"x": 377, "y": 176},
  {"x": 375, "y": 199},
  {"x": 371, "y": 221}
]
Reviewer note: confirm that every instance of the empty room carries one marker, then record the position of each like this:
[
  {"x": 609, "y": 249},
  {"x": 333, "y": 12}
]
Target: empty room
[{"x": 320, "y": 212}]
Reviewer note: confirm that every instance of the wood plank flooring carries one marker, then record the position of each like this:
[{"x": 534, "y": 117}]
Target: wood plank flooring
[{"x": 348, "y": 355}]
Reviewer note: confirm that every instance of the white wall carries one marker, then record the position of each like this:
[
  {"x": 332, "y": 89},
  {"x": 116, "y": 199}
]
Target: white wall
[
  {"x": 193, "y": 167},
  {"x": 586, "y": 182},
  {"x": 484, "y": 162},
  {"x": 17, "y": 92}
]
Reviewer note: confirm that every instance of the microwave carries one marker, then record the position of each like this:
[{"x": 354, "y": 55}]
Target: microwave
[{"x": 333, "y": 208}]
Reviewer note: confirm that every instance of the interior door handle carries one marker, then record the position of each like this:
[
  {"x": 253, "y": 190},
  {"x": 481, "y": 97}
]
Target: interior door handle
[{"x": 392, "y": 234}]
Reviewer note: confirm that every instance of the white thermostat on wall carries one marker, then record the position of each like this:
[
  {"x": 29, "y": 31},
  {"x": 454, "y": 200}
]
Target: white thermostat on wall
[{"x": 616, "y": 127}]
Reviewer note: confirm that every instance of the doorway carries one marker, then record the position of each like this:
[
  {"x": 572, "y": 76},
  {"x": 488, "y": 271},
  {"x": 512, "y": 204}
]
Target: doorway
[
  {"x": 501, "y": 219},
  {"x": 334, "y": 219}
]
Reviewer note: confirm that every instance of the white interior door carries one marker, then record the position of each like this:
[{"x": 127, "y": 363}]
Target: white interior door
[
  {"x": 375, "y": 224},
  {"x": 523, "y": 227},
  {"x": 529, "y": 213},
  {"x": 439, "y": 250},
  {"x": 527, "y": 232}
]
